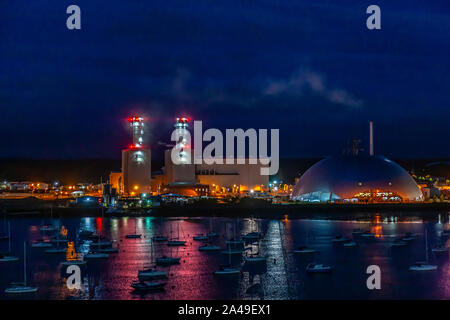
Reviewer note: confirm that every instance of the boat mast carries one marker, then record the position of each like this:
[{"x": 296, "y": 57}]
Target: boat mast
[
  {"x": 25, "y": 262},
  {"x": 229, "y": 249},
  {"x": 152, "y": 253},
  {"x": 210, "y": 225},
  {"x": 9, "y": 237}
]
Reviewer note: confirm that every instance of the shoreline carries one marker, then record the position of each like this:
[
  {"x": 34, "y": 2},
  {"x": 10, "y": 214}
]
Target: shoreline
[{"x": 257, "y": 210}]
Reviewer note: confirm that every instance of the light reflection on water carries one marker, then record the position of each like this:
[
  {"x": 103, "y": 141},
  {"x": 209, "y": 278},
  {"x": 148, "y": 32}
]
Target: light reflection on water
[{"x": 283, "y": 278}]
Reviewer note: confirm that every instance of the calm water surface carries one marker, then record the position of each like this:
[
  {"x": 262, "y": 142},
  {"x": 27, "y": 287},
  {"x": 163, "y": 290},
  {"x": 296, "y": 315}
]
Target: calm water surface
[{"x": 283, "y": 277}]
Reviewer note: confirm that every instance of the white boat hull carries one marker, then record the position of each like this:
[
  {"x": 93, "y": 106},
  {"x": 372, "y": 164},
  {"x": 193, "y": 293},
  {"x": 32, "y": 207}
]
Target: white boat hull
[
  {"x": 9, "y": 259},
  {"x": 306, "y": 251},
  {"x": 19, "y": 290},
  {"x": 426, "y": 267}
]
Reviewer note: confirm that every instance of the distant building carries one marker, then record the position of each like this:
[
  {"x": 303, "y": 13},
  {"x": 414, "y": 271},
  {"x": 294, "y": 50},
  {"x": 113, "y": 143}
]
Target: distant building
[
  {"x": 431, "y": 192},
  {"x": 205, "y": 179},
  {"x": 356, "y": 179},
  {"x": 183, "y": 178}
]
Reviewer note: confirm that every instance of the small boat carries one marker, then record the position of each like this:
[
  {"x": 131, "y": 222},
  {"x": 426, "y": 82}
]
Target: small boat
[
  {"x": 252, "y": 236},
  {"x": 151, "y": 273},
  {"x": 254, "y": 259},
  {"x": 73, "y": 262},
  {"x": 164, "y": 260},
  {"x": 399, "y": 243},
  {"x": 235, "y": 243},
  {"x": 96, "y": 255},
  {"x": 95, "y": 237},
  {"x": 422, "y": 266},
  {"x": 440, "y": 249},
  {"x": 21, "y": 288},
  {"x": 339, "y": 239},
  {"x": 445, "y": 233},
  {"x": 408, "y": 237},
  {"x": 147, "y": 286},
  {"x": 55, "y": 250},
  {"x": 350, "y": 244},
  {"x": 200, "y": 237},
  {"x": 5, "y": 258},
  {"x": 232, "y": 251},
  {"x": 212, "y": 235},
  {"x": 57, "y": 240},
  {"x": 41, "y": 244},
  {"x": 368, "y": 235},
  {"x": 133, "y": 236},
  {"x": 49, "y": 228},
  {"x": 174, "y": 243},
  {"x": 159, "y": 238},
  {"x": 208, "y": 247},
  {"x": 304, "y": 250},
  {"x": 318, "y": 268},
  {"x": 101, "y": 243},
  {"x": 227, "y": 271},
  {"x": 108, "y": 250},
  {"x": 86, "y": 233}
]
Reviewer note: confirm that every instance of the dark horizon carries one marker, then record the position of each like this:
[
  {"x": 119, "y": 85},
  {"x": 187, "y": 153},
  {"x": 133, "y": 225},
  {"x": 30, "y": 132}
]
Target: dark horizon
[{"x": 94, "y": 170}]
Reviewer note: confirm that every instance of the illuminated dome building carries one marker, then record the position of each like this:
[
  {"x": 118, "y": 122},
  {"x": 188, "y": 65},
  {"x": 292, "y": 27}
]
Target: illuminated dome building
[{"x": 356, "y": 179}]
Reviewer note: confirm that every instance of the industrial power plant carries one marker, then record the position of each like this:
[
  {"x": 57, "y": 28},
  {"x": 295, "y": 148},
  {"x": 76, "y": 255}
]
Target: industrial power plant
[
  {"x": 185, "y": 179},
  {"x": 349, "y": 178}
]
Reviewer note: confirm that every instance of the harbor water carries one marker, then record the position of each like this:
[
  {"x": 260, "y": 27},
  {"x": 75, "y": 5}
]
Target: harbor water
[{"x": 282, "y": 276}]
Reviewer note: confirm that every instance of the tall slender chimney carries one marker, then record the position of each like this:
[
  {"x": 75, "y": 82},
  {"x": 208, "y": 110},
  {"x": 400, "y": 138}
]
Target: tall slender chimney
[{"x": 371, "y": 137}]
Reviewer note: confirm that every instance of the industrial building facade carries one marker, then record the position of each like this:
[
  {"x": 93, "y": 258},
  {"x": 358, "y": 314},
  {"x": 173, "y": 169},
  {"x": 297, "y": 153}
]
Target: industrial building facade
[{"x": 184, "y": 178}]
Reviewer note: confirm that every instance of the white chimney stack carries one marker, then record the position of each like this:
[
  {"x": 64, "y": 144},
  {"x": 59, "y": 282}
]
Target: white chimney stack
[{"x": 371, "y": 137}]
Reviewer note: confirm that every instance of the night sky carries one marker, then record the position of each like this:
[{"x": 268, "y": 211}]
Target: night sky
[{"x": 310, "y": 68}]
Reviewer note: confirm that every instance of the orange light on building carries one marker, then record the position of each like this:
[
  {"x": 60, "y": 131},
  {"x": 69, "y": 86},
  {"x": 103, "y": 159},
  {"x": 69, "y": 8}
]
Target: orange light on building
[
  {"x": 71, "y": 254},
  {"x": 64, "y": 231}
]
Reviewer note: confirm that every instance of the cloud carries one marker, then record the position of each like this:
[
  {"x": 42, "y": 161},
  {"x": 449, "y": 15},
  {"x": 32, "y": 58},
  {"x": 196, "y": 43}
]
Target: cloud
[{"x": 309, "y": 81}]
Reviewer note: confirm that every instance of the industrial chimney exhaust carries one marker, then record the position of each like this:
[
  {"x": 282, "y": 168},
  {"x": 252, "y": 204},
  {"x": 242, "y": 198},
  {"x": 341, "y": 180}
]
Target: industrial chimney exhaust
[{"x": 371, "y": 137}]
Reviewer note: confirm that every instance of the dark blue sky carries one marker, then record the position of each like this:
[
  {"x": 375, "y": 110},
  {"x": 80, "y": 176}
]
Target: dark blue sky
[{"x": 310, "y": 68}]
